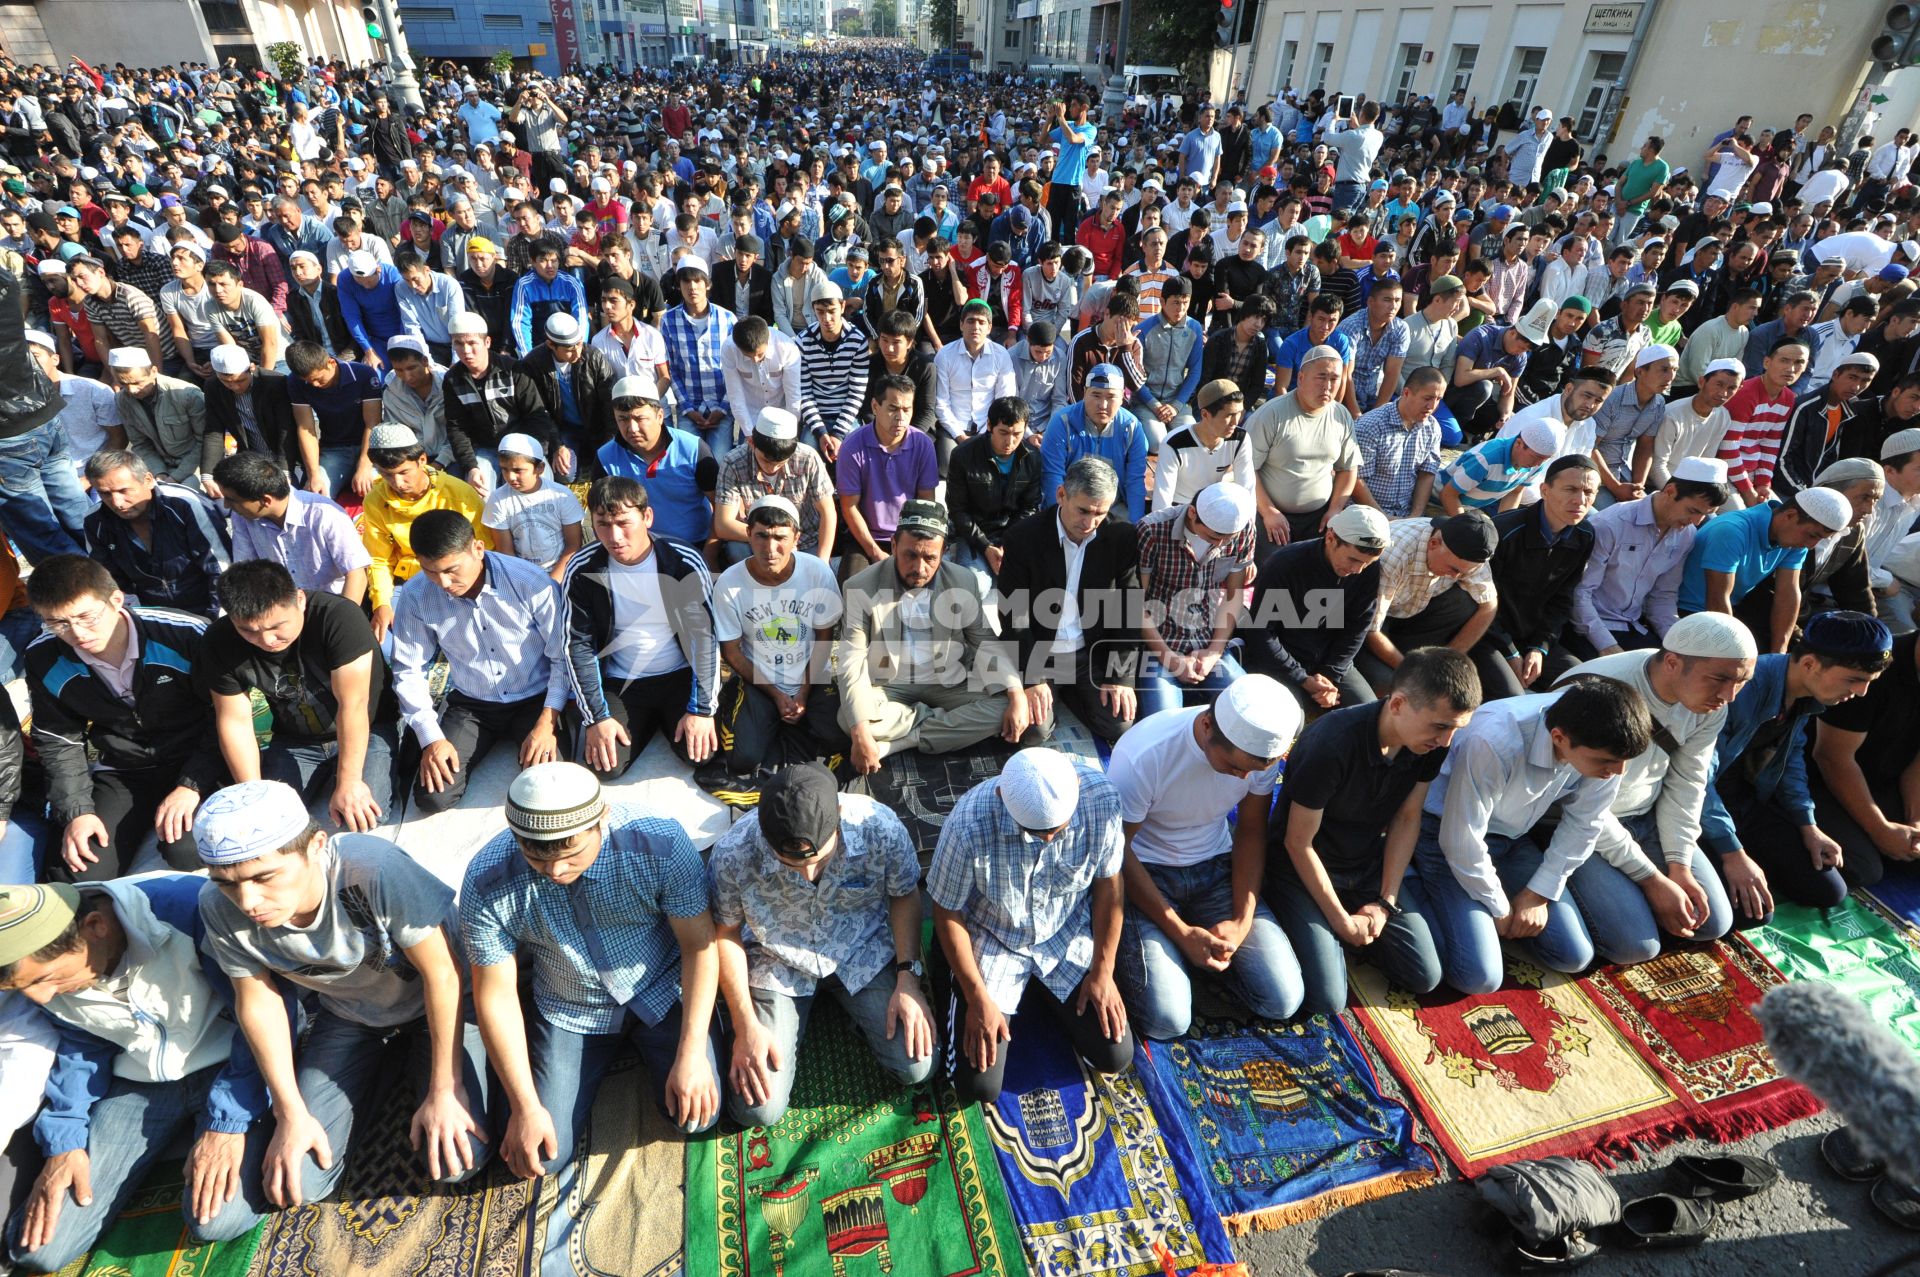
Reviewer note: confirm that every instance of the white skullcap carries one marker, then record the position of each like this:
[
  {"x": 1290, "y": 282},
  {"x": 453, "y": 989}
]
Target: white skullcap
[
  {"x": 1825, "y": 507},
  {"x": 777, "y": 425},
  {"x": 51, "y": 266},
  {"x": 468, "y": 323},
  {"x": 1362, "y": 526},
  {"x": 1040, "y": 787},
  {"x": 632, "y": 387},
  {"x": 1654, "y": 353},
  {"x": 1258, "y": 715},
  {"x": 1724, "y": 365},
  {"x": 230, "y": 361},
  {"x": 1701, "y": 470},
  {"x": 1318, "y": 353},
  {"x": 41, "y": 339},
  {"x": 690, "y": 262},
  {"x": 563, "y": 328},
  {"x": 558, "y": 186},
  {"x": 1544, "y": 435},
  {"x": 407, "y": 341},
  {"x": 774, "y": 501},
  {"x": 1848, "y": 470},
  {"x": 128, "y": 357},
  {"x": 306, "y": 253},
  {"x": 551, "y": 802},
  {"x": 1710, "y": 634},
  {"x": 521, "y": 445},
  {"x": 248, "y": 820},
  {"x": 1897, "y": 444},
  {"x": 1227, "y": 508}
]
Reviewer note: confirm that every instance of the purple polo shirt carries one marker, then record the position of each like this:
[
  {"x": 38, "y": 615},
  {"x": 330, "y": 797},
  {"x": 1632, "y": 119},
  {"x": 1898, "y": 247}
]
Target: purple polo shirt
[
  {"x": 884, "y": 481},
  {"x": 318, "y": 545}
]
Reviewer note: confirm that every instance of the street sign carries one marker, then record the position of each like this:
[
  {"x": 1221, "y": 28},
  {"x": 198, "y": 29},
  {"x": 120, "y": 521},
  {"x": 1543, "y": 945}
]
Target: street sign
[{"x": 1614, "y": 19}]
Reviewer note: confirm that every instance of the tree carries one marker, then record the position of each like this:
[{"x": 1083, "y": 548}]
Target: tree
[
  {"x": 288, "y": 60},
  {"x": 942, "y": 24},
  {"x": 1176, "y": 33}
]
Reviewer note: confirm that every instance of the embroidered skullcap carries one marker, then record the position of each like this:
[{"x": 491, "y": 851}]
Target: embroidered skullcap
[
  {"x": 1710, "y": 634},
  {"x": 1897, "y": 444},
  {"x": 392, "y": 434},
  {"x": 1825, "y": 507},
  {"x": 248, "y": 820},
  {"x": 1544, "y": 435},
  {"x": 551, "y": 802},
  {"x": 230, "y": 361},
  {"x": 1848, "y": 470},
  {"x": 1701, "y": 470},
  {"x": 1227, "y": 508},
  {"x": 129, "y": 357},
  {"x": 1040, "y": 787}
]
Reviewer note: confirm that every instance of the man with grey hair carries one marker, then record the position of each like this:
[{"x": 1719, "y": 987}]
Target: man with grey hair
[
  {"x": 1068, "y": 572},
  {"x": 165, "y": 544},
  {"x": 1304, "y": 456}
]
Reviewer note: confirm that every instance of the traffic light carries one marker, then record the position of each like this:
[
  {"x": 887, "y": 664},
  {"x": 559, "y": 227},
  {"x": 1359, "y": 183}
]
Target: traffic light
[
  {"x": 371, "y": 16},
  {"x": 1224, "y": 22},
  {"x": 1898, "y": 44}
]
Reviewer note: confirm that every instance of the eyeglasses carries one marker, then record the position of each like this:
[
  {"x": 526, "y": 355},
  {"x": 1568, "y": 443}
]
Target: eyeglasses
[{"x": 88, "y": 621}]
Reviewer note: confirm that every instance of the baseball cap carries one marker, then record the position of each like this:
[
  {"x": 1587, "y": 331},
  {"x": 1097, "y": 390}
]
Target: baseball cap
[
  {"x": 799, "y": 804},
  {"x": 1106, "y": 377}
]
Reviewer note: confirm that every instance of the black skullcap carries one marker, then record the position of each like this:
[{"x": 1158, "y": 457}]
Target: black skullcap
[
  {"x": 1847, "y": 634},
  {"x": 1470, "y": 535}
]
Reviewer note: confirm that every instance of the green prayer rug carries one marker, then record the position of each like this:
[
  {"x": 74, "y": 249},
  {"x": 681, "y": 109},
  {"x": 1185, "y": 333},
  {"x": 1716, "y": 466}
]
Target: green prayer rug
[
  {"x": 149, "y": 1239},
  {"x": 1858, "y": 946},
  {"x": 862, "y": 1176}
]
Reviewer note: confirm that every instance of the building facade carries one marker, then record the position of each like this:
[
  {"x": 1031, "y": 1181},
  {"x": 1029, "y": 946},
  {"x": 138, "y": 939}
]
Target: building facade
[
  {"x": 1682, "y": 69},
  {"x": 155, "y": 32}
]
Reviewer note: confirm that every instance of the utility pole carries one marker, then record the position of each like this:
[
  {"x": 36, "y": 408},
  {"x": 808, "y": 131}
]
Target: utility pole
[
  {"x": 1113, "y": 103},
  {"x": 383, "y": 22}
]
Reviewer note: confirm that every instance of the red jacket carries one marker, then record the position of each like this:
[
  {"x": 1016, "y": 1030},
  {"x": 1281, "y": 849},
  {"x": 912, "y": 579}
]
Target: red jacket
[
  {"x": 1009, "y": 306},
  {"x": 1105, "y": 245}
]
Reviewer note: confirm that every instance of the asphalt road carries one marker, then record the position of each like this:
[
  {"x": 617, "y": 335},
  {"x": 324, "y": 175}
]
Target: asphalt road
[{"x": 1811, "y": 1222}]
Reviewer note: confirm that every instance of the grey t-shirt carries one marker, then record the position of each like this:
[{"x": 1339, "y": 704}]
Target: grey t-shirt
[{"x": 379, "y": 902}]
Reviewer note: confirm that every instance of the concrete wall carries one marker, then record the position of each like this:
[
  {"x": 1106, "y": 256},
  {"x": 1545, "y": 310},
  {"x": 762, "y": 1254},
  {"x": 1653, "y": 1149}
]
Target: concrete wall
[{"x": 140, "y": 33}]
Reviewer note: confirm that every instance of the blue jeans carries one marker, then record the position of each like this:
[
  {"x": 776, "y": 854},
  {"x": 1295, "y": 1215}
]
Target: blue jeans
[
  {"x": 719, "y": 437},
  {"x": 568, "y": 1066},
  {"x": 338, "y": 465},
  {"x": 1152, "y": 971},
  {"x": 340, "y": 1061},
  {"x": 1156, "y": 692},
  {"x": 1404, "y": 950},
  {"x": 42, "y": 504},
  {"x": 787, "y": 1018},
  {"x": 128, "y": 1130},
  {"x": 309, "y": 768},
  {"x": 1348, "y": 195},
  {"x": 960, "y": 554},
  {"x": 17, "y": 629},
  {"x": 21, "y": 847},
  {"x": 1469, "y": 945},
  {"x": 1616, "y": 911}
]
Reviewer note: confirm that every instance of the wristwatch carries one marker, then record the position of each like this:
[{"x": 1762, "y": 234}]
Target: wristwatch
[
  {"x": 1393, "y": 910},
  {"x": 911, "y": 966}
]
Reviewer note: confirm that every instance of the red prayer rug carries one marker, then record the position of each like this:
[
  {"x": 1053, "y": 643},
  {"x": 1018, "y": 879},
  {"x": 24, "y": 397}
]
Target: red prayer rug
[{"x": 1596, "y": 1067}]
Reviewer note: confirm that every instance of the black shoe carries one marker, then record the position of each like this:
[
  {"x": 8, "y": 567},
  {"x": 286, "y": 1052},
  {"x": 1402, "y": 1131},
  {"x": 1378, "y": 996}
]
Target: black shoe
[
  {"x": 1727, "y": 1178},
  {"x": 1898, "y": 1203},
  {"x": 1666, "y": 1220},
  {"x": 1847, "y": 1159},
  {"x": 1562, "y": 1252}
]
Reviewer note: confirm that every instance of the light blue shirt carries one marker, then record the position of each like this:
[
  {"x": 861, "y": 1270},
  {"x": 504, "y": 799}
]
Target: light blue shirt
[{"x": 427, "y": 316}]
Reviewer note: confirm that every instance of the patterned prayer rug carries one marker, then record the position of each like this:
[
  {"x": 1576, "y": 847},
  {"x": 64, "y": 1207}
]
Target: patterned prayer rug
[
  {"x": 1859, "y": 946},
  {"x": 861, "y": 1177},
  {"x": 619, "y": 1208},
  {"x": 387, "y": 1220},
  {"x": 149, "y": 1239},
  {"x": 1690, "y": 1009},
  {"x": 1289, "y": 1120},
  {"x": 1099, "y": 1169},
  {"x": 1540, "y": 1067}
]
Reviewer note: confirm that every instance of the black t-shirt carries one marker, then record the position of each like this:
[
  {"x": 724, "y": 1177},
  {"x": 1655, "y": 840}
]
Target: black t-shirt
[
  {"x": 1337, "y": 769},
  {"x": 1887, "y": 716},
  {"x": 298, "y": 682}
]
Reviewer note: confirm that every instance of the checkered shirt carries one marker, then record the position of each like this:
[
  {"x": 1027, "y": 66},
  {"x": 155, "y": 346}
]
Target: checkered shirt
[
  {"x": 647, "y": 873},
  {"x": 693, "y": 358},
  {"x": 1370, "y": 356},
  {"x": 1406, "y": 586},
  {"x": 1392, "y": 457},
  {"x": 1185, "y": 591},
  {"x": 1026, "y": 903}
]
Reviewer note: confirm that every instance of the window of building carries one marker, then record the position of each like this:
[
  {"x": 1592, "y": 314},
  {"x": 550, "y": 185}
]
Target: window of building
[
  {"x": 1524, "y": 80},
  {"x": 1317, "y": 73},
  {"x": 1403, "y": 77},
  {"x": 501, "y": 21},
  {"x": 1600, "y": 84},
  {"x": 1283, "y": 74},
  {"x": 1013, "y": 39},
  {"x": 427, "y": 13},
  {"x": 1465, "y": 57}
]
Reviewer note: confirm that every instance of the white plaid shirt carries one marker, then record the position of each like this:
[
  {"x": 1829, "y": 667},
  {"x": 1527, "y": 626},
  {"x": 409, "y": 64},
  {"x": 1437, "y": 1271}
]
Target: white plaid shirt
[
  {"x": 1406, "y": 586},
  {"x": 1026, "y": 903}
]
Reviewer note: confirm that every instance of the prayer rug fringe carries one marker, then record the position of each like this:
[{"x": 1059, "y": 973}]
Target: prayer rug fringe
[{"x": 1328, "y": 1203}]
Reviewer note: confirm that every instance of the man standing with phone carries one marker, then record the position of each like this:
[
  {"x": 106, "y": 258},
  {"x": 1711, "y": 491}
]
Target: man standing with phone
[
  {"x": 1355, "y": 144},
  {"x": 1073, "y": 134},
  {"x": 540, "y": 121}
]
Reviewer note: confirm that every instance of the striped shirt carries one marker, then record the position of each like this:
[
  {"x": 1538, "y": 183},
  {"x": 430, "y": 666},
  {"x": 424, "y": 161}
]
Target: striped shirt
[
  {"x": 1151, "y": 282},
  {"x": 123, "y": 313},
  {"x": 1486, "y": 472},
  {"x": 833, "y": 380},
  {"x": 1757, "y": 423},
  {"x": 1406, "y": 584},
  {"x": 693, "y": 357}
]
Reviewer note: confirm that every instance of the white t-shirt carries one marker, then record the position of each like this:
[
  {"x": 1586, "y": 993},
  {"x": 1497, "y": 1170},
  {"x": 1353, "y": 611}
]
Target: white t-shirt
[
  {"x": 776, "y": 623},
  {"x": 644, "y": 643},
  {"x": 534, "y": 519},
  {"x": 1172, "y": 792}
]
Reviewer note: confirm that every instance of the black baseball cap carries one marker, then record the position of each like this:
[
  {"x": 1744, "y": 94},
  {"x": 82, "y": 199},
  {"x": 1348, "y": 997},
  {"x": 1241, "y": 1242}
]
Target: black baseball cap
[{"x": 799, "y": 804}]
